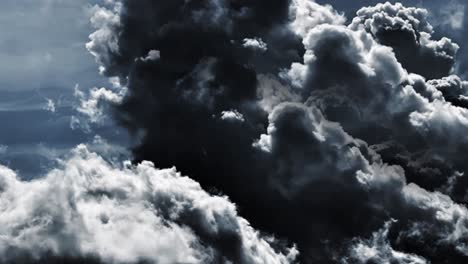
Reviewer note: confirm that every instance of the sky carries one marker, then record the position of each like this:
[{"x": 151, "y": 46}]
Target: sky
[
  {"x": 46, "y": 40},
  {"x": 43, "y": 58},
  {"x": 231, "y": 131}
]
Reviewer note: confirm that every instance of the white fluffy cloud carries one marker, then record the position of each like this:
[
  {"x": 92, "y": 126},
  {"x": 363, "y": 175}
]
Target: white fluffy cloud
[
  {"x": 104, "y": 40},
  {"x": 93, "y": 105},
  {"x": 90, "y": 104},
  {"x": 306, "y": 15},
  {"x": 152, "y": 55},
  {"x": 392, "y": 15},
  {"x": 255, "y": 44},
  {"x": 123, "y": 215},
  {"x": 377, "y": 249},
  {"x": 408, "y": 31},
  {"x": 232, "y": 115},
  {"x": 50, "y": 106}
]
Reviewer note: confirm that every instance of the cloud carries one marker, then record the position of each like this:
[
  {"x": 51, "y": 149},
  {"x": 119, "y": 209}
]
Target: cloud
[
  {"x": 94, "y": 105},
  {"x": 51, "y": 51},
  {"x": 452, "y": 15},
  {"x": 50, "y": 106},
  {"x": 409, "y": 33},
  {"x": 104, "y": 40},
  {"x": 256, "y": 44},
  {"x": 86, "y": 208},
  {"x": 341, "y": 132},
  {"x": 152, "y": 55},
  {"x": 378, "y": 249},
  {"x": 453, "y": 88},
  {"x": 232, "y": 115},
  {"x": 375, "y": 92},
  {"x": 306, "y": 15},
  {"x": 318, "y": 166}
]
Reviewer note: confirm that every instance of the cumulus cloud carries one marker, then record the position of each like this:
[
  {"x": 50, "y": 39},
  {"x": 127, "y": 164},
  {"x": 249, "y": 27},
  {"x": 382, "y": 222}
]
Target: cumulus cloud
[
  {"x": 408, "y": 32},
  {"x": 306, "y": 15},
  {"x": 104, "y": 40},
  {"x": 271, "y": 91},
  {"x": 378, "y": 249},
  {"x": 152, "y": 55},
  {"x": 255, "y": 43},
  {"x": 408, "y": 115},
  {"x": 344, "y": 126},
  {"x": 94, "y": 104},
  {"x": 87, "y": 208},
  {"x": 308, "y": 155},
  {"x": 453, "y": 88},
  {"x": 232, "y": 115}
]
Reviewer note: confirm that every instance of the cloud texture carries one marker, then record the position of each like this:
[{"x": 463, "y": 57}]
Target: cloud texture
[
  {"x": 342, "y": 123},
  {"x": 86, "y": 208},
  {"x": 346, "y": 139}
]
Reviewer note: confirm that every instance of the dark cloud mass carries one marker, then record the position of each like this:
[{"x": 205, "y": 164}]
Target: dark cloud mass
[
  {"x": 408, "y": 32},
  {"x": 337, "y": 139},
  {"x": 322, "y": 131}
]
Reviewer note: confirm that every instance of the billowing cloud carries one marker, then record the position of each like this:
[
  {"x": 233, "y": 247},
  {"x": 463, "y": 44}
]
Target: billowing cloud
[
  {"x": 94, "y": 104},
  {"x": 88, "y": 209},
  {"x": 409, "y": 121},
  {"x": 329, "y": 134},
  {"x": 152, "y": 55},
  {"x": 232, "y": 115},
  {"x": 319, "y": 167},
  {"x": 305, "y": 15},
  {"x": 408, "y": 32},
  {"x": 454, "y": 89},
  {"x": 255, "y": 44},
  {"x": 377, "y": 249}
]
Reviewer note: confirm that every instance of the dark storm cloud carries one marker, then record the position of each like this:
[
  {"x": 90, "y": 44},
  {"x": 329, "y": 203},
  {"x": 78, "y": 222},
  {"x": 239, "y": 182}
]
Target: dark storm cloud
[
  {"x": 447, "y": 17},
  {"x": 409, "y": 33},
  {"x": 202, "y": 105},
  {"x": 410, "y": 121},
  {"x": 362, "y": 84},
  {"x": 201, "y": 47},
  {"x": 342, "y": 189},
  {"x": 321, "y": 133}
]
